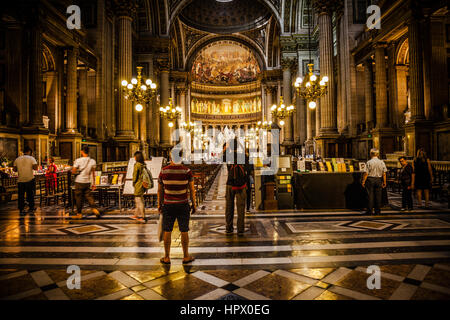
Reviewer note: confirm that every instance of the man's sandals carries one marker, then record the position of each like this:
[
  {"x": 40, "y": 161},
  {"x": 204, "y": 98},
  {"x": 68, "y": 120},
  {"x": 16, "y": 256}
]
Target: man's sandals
[{"x": 185, "y": 261}]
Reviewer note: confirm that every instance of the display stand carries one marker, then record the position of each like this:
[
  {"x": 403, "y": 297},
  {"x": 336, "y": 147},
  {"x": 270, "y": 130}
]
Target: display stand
[{"x": 285, "y": 193}]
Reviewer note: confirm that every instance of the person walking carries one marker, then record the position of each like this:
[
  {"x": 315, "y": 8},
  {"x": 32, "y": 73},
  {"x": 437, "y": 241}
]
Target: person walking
[
  {"x": 140, "y": 170},
  {"x": 84, "y": 169},
  {"x": 406, "y": 177},
  {"x": 424, "y": 177},
  {"x": 24, "y": 166},
  {"x": 236, "y": 187},
  {"x": 174, "y": 183},
  {"x": 375, "y": 176}
]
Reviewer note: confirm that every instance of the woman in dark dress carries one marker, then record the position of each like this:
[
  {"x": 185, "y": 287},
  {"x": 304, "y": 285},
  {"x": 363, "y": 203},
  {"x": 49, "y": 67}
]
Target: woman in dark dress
[{"x": 424, "y": 177}]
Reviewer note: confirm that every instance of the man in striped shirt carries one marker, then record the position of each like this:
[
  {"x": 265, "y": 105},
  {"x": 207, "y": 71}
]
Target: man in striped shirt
[{"x": 173, "y": 184}]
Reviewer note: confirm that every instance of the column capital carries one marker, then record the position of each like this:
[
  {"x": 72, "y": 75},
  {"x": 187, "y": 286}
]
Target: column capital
[
  {"x": 163, "y": 64},
  {"x": 288, "y": 63},
  {"x": 324, "y": 6},
  {"x": 125, "y": 8},
  {"x": 380, "y": 45}
]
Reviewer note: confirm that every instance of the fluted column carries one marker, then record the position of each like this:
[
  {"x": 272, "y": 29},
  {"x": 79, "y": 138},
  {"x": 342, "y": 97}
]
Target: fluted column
[
  {"x": 328, "y": 113},
  {"x": 269, "y": 103},
  {"x": 182, "y": 95},
  {"x": 125, "y": 115},
  {"x": 301, "y": 120},
  {"x": 381, "y": 87},
  {"x": 165, "y": 93},
  {"x": 287, "y": 97},
  {"x": 82, "y": 84},
  {"x": 415, "y": 71},
  {"x": 93, "y": 120},
  {"x": 71, "y": 99},
  {"x": 310, "y": 124},
  {"x": 35, "y": 106},
  {"x": 368, "y": 93}
]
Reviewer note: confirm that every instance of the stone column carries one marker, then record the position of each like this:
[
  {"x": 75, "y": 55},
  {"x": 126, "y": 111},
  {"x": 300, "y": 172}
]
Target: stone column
[
  {"x": 402, "y": 90},
  {"x": 310, "y": 125},
  {"x": 165, "y": 93},
  {"x": 380, "y": 87},
  {"x": 415, "y": 71},
  {"x": 328, "y": 110},
  {"x": 35, "y": 105},
  {"x": 287, "y": 64},
  {"x": 125, "y": 129},
  {"x": 184, "y": 114},
  {"x": 368, "y": 93},
  {"x": 51, "y": 80},
  {"x": 82, "y": 85},
  {"x": 269, "y": 103},
  {"x": 94, "y": 121},
  {"x": 301, "y": 119},
  {"x": 71, "y": 102}
]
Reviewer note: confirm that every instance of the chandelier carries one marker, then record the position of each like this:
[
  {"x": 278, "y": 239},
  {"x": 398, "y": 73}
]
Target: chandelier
[
  {"x": 264, "y": 125},
  {"x": 311, "y": 88},
  {"x": 170, "y": 113},
  {"x": 188, "y": 126},
  {"x": 138, "y": 91},
  {"x": 281, "y": 111}
]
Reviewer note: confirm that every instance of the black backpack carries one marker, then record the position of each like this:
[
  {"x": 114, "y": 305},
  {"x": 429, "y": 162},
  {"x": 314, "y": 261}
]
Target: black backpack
[{"x": 238, "y": 177}]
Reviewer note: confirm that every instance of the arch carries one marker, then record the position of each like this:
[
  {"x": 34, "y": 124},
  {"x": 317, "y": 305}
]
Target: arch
[
  {"x": 201, "y": 44},
  {"x": 180, "y": 4},
  {"x": 48, "y": 62},
  {"x": 402, "y": 52}
]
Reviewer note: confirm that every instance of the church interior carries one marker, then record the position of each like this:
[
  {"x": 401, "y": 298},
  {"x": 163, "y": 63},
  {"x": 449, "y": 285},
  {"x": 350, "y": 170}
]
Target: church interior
[{"x": 334, "y": 79}]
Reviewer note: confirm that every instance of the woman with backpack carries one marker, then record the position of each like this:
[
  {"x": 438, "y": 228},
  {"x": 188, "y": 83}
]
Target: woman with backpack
[{"x": 140, "y": 184}]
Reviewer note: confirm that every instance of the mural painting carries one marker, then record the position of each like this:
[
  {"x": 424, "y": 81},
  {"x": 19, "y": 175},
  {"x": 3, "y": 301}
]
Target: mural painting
[{"x": 225, "y": 63}]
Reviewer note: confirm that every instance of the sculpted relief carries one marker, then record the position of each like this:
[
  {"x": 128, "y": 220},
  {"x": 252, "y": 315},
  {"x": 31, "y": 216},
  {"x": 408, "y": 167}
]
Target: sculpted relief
[{"x": 226, "y": 106}]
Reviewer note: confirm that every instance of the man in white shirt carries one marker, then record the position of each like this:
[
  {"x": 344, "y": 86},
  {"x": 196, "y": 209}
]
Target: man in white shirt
[
  {"x": 24, "y": 166},
  {"x": 375, "y": 175},
  {"x": 84, "y": 167}
]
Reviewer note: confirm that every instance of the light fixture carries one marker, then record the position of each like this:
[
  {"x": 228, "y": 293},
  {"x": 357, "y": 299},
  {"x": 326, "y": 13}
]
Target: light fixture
[
  {"x": 136, "y": 91},
  {"x": 311, "y": 88},
  {"x": 139, "y": 107},
  {"x": 281, "y": 111},
  {"x": 170, "y": 113}
]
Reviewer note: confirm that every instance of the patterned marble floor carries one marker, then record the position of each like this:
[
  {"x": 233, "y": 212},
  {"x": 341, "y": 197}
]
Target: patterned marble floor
[{"x": 283, "y": 255}]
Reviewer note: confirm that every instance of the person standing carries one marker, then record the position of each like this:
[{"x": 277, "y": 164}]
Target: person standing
[
  {"x": 84, "y": 169},
  {"x": 236, "y": 188},
  {"x": 51, "y": 176},
  {"x": 174, "y": 182},
  {"x": 424, "y": 177},
  {"x": 406, "y": 178},
  {"x": 375, "y": 176},
  {"x": 24, "y": 166},
  {"x": 139, "y": 189}
]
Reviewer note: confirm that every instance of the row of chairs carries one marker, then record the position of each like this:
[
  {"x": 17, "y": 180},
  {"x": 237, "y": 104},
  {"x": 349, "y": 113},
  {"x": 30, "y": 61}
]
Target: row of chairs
[{"x": 204, "y": 176}]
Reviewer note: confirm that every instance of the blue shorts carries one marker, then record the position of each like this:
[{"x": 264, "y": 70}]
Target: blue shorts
[{"x": 176, "y": 211}]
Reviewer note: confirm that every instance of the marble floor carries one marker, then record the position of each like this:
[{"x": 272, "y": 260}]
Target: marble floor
[{"x": 290, "y": 254}]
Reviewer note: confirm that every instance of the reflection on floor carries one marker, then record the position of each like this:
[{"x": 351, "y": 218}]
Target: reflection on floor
[{"x": 283, "y": 255}]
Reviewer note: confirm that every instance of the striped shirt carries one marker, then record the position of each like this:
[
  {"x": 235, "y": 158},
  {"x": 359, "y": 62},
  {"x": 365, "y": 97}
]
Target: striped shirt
[{"x": 175, "y": 181}]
